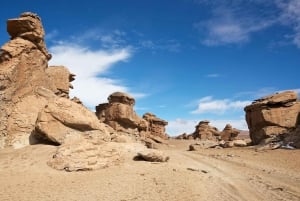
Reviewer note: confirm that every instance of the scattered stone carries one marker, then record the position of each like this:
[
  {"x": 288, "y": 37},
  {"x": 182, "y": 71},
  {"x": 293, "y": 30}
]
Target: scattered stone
[{"x": 153, "y": 155}]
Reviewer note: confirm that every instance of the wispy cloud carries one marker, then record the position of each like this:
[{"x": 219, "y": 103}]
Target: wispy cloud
[
  {"x": 218, "y": 106},
  {"x": 168, "y": 45},
  {"x": 234, "y": 22},
  {"x": 227, "y": 26},
  {"x": 179, "y": 126},
  {"x": 213, "y": 75},
  {"x": 90, "y": 66},
  {"x": 291, "y": 16}
]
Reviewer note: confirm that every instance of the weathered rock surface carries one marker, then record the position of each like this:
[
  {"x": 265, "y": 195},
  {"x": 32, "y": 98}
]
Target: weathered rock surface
[
  {"x": 229, "y": 133},
  {"x": 273, "y": 116},
  {"x": 85, "y": 155},
  {"x": 156, "y": 126},
  {"x": 153, "y": 155},
  {"x": 205, "y": 132},
  {"x": 23, "y": 72},
  {"x": 119, "y": 113},
  {"x": 61, "y": 118}
]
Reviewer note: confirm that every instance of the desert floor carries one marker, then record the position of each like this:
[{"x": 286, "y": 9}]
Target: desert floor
[{"x": 210, "y": 174}]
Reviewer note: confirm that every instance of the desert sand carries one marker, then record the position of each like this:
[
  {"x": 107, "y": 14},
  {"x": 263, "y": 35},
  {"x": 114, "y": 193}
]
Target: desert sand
[{"x": 208, "y": 174}]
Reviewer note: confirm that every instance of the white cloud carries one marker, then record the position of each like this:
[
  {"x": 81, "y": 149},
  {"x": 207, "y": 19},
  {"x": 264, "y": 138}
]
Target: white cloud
[
  {"x": 226, "y": 27},
  {"x": 210, "y": 105},
  {"x": 291, "y": 16},
  {"x": 89, "y": 66},
  {"x": 180, "y": 126}
]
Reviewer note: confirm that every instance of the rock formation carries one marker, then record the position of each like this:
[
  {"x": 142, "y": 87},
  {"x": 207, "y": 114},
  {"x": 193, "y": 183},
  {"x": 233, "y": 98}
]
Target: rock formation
[
  {"x": 24, "y": 73},
  {"x": 120, "y": 115},
  {"x": 35, "y": 107},
  {"x": 275, "y": 116},
  {"x": 229, "y": 133},
  {"x": 205, "y": 132},
  {"x": 34, "y": 98},
  {"x": 156, "y": 126}
]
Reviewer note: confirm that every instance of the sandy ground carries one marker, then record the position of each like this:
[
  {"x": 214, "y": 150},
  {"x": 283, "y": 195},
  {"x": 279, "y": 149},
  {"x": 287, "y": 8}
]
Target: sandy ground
[{"x": 211, "y": 174}]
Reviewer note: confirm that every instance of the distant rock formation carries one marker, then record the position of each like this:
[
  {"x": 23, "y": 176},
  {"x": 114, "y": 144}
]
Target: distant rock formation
[
  {"x": 205, "y": 132},
  {"x": 120, "y": 115},
  {"x": 229, "y": 133},
  {"x": 275, "y": 117},
  {"x": 156, "y": 126}
]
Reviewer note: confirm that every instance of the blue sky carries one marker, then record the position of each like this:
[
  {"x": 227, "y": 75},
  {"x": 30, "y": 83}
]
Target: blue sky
[{"x": 183, "y": 60}]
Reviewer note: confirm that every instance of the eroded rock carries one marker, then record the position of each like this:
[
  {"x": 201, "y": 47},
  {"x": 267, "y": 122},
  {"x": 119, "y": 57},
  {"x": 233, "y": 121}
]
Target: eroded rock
[{"x": 273, "y": 116}]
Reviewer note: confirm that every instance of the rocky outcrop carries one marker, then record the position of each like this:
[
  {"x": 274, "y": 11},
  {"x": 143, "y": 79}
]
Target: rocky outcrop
[
  {"x": 23, "y": 73},
  {"x": 156, "y": 126},
  {"x": 120, "y": 115},
  {"x": 61, "y": 119},
  {"x": 205, "y": 132},
  {"x": 229, "y": 133},
  {"x": 275, "y": 116}
]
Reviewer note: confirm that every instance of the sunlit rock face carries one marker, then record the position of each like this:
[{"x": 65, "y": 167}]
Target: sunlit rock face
[
  {"x": 275, "y": 116},
  {"x": 27, "y": 83}
]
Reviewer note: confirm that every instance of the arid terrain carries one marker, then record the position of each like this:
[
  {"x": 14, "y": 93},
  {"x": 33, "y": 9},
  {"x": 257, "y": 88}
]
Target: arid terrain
[{"x": 209, "y": 174}]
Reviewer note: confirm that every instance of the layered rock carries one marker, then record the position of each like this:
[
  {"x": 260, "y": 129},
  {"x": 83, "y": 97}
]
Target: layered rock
[
  {"x": 34, "y": 101},
  {"x": 156, "y": 126},
  {"x": 274, "y": 116},
  {"x": 62, "y": 119},
  {"x": 205, "y": 132},
  {"x": 120, "y": 115},
  {"x": 229, "y": 133},
  {"x": 23, "y": 66}
]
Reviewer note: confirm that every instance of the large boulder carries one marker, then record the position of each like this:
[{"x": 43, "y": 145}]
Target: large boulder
[
  {"x": 23, "y": 73},
  {"x": 85, "y": 155},
  {"x": 62, "y": 118},
  {"x": 273, "y": 116}
]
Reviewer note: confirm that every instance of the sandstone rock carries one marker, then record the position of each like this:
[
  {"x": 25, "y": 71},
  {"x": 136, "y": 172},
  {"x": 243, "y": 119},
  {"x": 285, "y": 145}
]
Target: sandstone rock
[
  {"x": 61, "y": 78},
  {"x": 273, "y": 116},
  {"x": 239, "y": 143},
  {"x": 62, "y": 118},
  {"x": 203, "y": 144},
  {"x": 156, "y": 126},
  {"x": 205, "y": 132},
  {"x": 153, "y": 155},
  {"x": 24, "y": 82},
  {"x": 229, "y": 133},
  {"x": 85, "y": 155},
  {"x": 119, "y": 113},
  {"x": 29, "y": 27}
]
